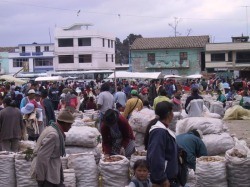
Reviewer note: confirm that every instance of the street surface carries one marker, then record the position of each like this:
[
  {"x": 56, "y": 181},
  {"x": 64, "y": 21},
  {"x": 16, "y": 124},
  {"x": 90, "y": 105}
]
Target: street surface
[{"x": 240, "y": 128}]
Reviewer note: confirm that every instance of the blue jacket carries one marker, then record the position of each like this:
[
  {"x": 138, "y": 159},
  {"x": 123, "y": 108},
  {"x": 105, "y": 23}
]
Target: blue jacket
[
  {"x": 194, "y": 147},
  {"x": 162, "y": 154}
]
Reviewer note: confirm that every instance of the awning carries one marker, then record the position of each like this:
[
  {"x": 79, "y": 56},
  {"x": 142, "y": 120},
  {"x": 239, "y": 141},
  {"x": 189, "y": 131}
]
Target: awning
[
  {"x": 53, "y": 78},
  {"x": 136, "y": 75},
  {"x": 172, "y": 76},
  {"x": 195, "y": 76},
  {"x": 10, "y": 78}
]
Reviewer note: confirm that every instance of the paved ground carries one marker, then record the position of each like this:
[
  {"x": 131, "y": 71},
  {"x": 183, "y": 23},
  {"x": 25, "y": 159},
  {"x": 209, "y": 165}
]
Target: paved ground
[{"x": 240, "y": 128}]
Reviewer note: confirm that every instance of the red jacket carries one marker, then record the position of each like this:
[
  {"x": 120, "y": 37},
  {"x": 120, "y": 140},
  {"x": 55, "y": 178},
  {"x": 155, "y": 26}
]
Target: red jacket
[{"x": 126, "y": 130}]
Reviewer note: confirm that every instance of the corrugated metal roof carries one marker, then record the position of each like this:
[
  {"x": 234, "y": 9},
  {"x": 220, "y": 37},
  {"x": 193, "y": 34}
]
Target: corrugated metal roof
[
  {"x": 7, "y": 49},
  {"x": 170, "y": 42}
]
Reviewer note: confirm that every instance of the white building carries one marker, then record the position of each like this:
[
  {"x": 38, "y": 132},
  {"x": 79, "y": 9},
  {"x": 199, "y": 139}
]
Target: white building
[
  {"x": 34, "y": 57},
  {"x": 78, "y": 48}
]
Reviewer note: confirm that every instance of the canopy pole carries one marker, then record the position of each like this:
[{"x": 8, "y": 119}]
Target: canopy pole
[{"x": 115, "y": 80}]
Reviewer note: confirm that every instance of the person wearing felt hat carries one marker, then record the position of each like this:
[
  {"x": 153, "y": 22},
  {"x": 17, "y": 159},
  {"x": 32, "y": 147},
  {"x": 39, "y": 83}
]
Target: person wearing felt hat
[
  {"x": 117, "y": 135},
  {"x": 29, "y": 98},
  {"x": 134, "y": 103},
  {"x": 46, "y": 167}
]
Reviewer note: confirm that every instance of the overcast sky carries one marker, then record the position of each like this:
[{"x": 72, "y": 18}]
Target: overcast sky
[{"x": 24, "y": 22}]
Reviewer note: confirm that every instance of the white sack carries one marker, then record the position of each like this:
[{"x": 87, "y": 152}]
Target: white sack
[
  {"x": 139, "y": 120},
  {"x": 211, "y": 173},
  {"x": 64, "y": 161},
  {"x": 206, "y": 125},
  {"x": 114, "y": 174},
  {"x": 85, "y": 169},
  {"x": 24, "y": 145},
  {"x": 238, "y": 169},
  {"x": 191, "y": 181},
  {"x": 139, "y": 140},
  {"x": 96, "y": 151},
  {"x": 23, "y": 177},
  {"x": 82, "y": 136},
  {"x": 135, "y": 157},
  {"x": 217, "y": 107},
  {"x": 69, "y": 178},
  {"x": 218, "y": 143},
  {"x": 7, "y": 169},
  {"x": 172, "y": 125}
]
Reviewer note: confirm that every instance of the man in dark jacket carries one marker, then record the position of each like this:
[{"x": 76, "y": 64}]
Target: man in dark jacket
[
  {"x": 48, "y": 107},
  {"x": 192, "y": 143}
]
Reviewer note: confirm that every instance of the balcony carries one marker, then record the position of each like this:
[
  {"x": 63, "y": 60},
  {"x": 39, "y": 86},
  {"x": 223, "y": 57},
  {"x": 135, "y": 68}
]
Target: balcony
[
  {"x": 24, "y": 54},
  {"x": 37, "y": 53}
]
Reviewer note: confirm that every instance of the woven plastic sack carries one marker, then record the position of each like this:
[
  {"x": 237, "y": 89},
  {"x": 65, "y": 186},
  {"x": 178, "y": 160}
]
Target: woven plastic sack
[
  {"x": 114, "y": 174},
  {"x": 85, "y": 168},
  {"x": 96, "y": 151},
  {"x": 139, "y": 120},
  {"x": 69, "y": 178},
  {"x": 206, "y": 125},
  {"x": 217, "y": 107},
  {"x": 172, "y": 125},
  {"x": 238, "y": 169},
  {"x": 191, "y": 182},
  {"x": 22, "y": 167},
  {"x": 217, "y": 144},
  {"x": 139, "y": 140},
  {"x": 137, "y": 156},
  {"x": 24, "y": 145},
  {"x": 64, "y": 161},
  {"x": 211, "y": 171},
  {"x": 7, "y": 169},
  {"x": 236, "y": 112},
  {"x": 82, "y": 136}
]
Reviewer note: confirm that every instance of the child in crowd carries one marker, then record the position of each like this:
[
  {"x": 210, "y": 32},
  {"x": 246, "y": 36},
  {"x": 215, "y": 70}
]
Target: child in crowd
[{"x": 141, "y": 174}]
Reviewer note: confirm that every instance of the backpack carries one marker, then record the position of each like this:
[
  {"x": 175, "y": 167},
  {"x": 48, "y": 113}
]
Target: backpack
[{"x": 182, "y": 167}]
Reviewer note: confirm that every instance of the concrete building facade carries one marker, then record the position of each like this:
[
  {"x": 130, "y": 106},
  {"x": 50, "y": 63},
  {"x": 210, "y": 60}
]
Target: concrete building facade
[
  {"x": 33, "y": 57},
  {"x": 78, "y": 48}
]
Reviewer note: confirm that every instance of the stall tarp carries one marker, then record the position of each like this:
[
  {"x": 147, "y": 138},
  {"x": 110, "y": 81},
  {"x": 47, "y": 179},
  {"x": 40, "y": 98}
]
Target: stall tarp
[
  {"x": 172, "y": 76},
  {"x": 195, "y": 76},
  {"x": 53, "y": 78},
  {"x": 135, "y": 75},
  {"x": 10, "y": 78}
]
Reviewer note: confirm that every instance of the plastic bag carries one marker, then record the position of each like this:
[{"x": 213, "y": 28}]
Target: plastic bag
[
  {"x": 7, "y": 169},
  {"x": 69, "y": 178}
]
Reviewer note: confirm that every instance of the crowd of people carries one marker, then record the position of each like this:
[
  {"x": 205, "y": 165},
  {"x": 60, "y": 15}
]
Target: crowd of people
[{"x": 28, "y": 113}]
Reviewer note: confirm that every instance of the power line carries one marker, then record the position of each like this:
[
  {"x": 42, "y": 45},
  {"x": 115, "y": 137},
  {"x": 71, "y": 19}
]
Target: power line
[{"x": 116, "y": 14}]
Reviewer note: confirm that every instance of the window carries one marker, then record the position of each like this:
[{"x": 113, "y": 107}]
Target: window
[
  {"x": 151, "y": 57},
  {"x": 112, "y": 58},
  {"x": 85, "y": 58},
  {"x": 66, "y": 42},
  {"x": 107, "y": 58},
  {"x": 103, "y": 42},
  {"x": 243, "y": 57},
  {"x": 38, "y": 49},
  {"x": 23, "y": 49},
  {"x": 46, "y": 48},
  {"x": 215, "y": 57},
  {"x": 19, "y": 62},
  {"x": 108, "y": 43},
  {"x": 183, "y": 56},
  {"x": 84, "y": 41},
  {"x": 43, "y": 62},
  {"x": 63, "y": 59},
  {"x": 112, "y": 43}
]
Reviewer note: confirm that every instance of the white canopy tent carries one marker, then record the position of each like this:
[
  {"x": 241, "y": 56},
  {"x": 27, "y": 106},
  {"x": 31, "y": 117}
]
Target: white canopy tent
[
  {"x": 172, "y": 76},
  {"x": 136, "y": 75},
  {"x": 53, "y": 78},
  {"x": 195, "y": 76},
  {"x": 10, "y": 78}
]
